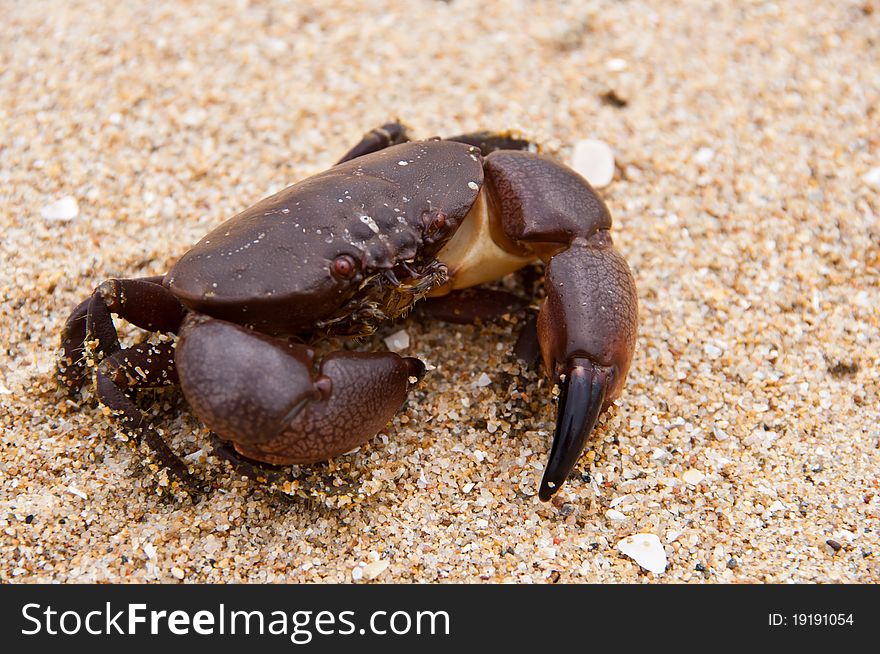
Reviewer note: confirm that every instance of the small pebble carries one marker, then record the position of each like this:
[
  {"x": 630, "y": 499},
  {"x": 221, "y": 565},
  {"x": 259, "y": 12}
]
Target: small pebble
[
  {"x": 594, "y": 160},
  {"x": 376, "y": 568},
  {"x": 567, "y": 509},
  {"x": 357, "y": 574},
  {"x": 616, "y": 65},
  {"x": 720, "y": 434},
  {"x": 693, "y": 477},
  {"x": 212, "y": 544},
  {"x": 398, "y": 341},
  {"x": 64, "y": 209},
  {"x": 150, "y": 550},
  {"x": 614, "y": 514},
  {"x": 177, "y": 573},
  {"x": 646, "y": 550},
  {"x": 833, "y": 544},
  {"x": 483, "y": 380}
]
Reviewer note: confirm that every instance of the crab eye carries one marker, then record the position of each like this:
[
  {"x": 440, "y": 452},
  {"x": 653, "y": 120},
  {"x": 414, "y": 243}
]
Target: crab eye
[
  {"x": 344, "y": 267},
  {"x": 434, "y": 221}
]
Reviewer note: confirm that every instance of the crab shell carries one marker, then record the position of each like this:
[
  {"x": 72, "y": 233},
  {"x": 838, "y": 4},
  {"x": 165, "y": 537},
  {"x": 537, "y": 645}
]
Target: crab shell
[{"x": 271, "y": 266}]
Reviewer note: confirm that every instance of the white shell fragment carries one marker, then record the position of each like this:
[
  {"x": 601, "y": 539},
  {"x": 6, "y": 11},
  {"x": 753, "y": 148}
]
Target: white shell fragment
[
  {"x": 594, "y": 160},
  {"x": 646, "y": 550},
  {"x": 704, "y": 156},
  {"x": 872, "y": 177},
  {"x": 66, "y": 208},
  {"x": 77, "y": 492},
  {"x": 659, "y": 453},
  {"x": 194, "y": 117},
  {"x": 398, "y": 341},
  {"x": 693, "y": 476}
]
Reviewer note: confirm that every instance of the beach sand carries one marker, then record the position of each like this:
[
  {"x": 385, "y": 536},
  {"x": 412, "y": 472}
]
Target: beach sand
[{"x": 746, "y": 200}]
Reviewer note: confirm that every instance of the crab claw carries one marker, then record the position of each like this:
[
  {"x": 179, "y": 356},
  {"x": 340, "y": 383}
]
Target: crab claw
[
  {"x": 587, "y": 331},
  {"x": 265, "y": 395},
  {"x": 583, "y": 387}
]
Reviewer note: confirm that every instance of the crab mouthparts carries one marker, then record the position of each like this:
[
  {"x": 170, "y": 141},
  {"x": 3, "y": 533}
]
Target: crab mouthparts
[
  {"x": 402, "y": 286},
  {"x": 385, "y": 295}
]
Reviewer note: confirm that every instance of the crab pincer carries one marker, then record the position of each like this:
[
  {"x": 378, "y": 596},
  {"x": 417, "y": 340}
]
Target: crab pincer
[
  {"x": 587, "y": 324},
  {"x": 587, "y": 330},
  {"x": 266, "y": 395}
]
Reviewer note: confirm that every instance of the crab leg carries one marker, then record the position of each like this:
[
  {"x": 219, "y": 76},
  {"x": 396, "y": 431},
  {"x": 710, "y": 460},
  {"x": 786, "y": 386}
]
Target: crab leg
[
  {"x": 143, "y": 302},
  {"x": 263, "y": 394},
  {"x": 395, "y": 133},
  {"x": 489, "y": 142},
  {"x": 146, "y": 365},
  {"x": 587, "y": 325},
  {"x": 470, "y": 305},
  {"x": 377, "y": 139}
]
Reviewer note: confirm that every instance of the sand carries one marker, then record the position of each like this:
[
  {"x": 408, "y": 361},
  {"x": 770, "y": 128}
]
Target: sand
[{"x": 746, "y": 200}]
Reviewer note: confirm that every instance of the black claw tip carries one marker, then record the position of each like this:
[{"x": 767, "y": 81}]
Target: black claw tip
[{"x": 580, "y": 402}]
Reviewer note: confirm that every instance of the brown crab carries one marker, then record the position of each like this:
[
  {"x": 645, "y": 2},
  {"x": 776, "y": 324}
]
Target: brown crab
[{"x": 393, "y": 222}]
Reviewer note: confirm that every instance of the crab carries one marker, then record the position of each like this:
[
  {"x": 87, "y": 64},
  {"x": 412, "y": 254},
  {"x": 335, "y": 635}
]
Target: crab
[{"x": 393, "y": 223}]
